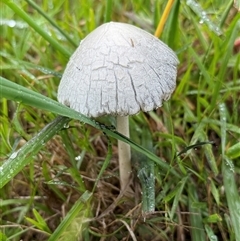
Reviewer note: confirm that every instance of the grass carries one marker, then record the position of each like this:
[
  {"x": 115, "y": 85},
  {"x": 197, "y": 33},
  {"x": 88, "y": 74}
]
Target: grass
[{"x": 59, "y": 175}]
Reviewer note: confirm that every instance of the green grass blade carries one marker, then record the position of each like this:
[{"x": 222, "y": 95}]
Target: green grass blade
[
  {"x": 108, "y": 11},
  {"x": 196, "y": 221},
  {"x": 196, "y": 7},
  {"x": 150, "y": 175},
  {"x": 210, "y": 233},
  {"x": 233, "y": 198},
  {"x": 178, "y": 195},
  {"x": 234, "y": 151},
  {"x": 226, "y": 12},
  {"x": 36, "y": 27},
  {"x": 146, "y": 174},
  {"x": 208, "y": 152},
  {"x": 51, "y": 21},
  {"x": 171, "y": 29},
  {"x": 223, "y": 119},
  {"x": 228, "y": 172},
  {"x": 39, "y": 222},
  {"x": 233, "y": 33},
  {"x": 75, "y": 221},
  {"x": 105, "y": 164},
  {"x": 3, "y": 237},
  {"x": 25, "y": 154}
]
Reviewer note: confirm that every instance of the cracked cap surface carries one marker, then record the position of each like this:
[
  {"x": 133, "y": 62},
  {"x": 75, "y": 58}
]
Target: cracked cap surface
[{"x": 118, "y": 69}]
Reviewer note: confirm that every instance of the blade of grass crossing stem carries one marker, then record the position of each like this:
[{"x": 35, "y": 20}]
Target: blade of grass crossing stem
[
  {"x": 21, "y": 94},
  {"x": 197, "y": 231},
  {"x": 18, "y": 93},
  {"x": 52, "y": 22},
  {"x": 108, "y": 11},
  {"x": 233, "y": 198},
  {"x": 28, "y": 19},
  {"x": 75, "y": 221},
  {"x": 25, "y": 154}
]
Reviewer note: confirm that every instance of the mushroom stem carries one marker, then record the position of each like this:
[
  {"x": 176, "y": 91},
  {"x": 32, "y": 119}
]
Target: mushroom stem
[{"x": 124, "y": 153}]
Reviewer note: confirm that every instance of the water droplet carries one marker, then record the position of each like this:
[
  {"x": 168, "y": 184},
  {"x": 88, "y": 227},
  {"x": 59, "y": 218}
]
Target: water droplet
[
  {"x": 78, "y": 158},
  {"x": 66, "y": 126},
  {"x": 12, "y": 23},
  {"x": 14, "y": 155},
  {"x": 230, "y": 164},
  {"x": 224, "y": 119},
  {"x": 213, "y": 237}
]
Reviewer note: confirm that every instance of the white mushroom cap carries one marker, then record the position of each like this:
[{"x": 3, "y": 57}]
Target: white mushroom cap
[{"x": 118, "y": 69}]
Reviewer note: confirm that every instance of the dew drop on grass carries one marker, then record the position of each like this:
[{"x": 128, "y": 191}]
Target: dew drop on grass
[
  {"x": 224, "y": 119},
  {"x": 78, "y": 158},
  {"x": 48, "y": 71},
  {"x": 12, "y": 23},
  {"x": 14, "y": 155},
  {"x": 66, "y": 126},
  {"x": 197, "y": 8},
  {"x": 152, "y": 207},
  {"x": 213, "y": 237},
  {"x": 19, "y": 92},
  {"x": 230, "y": 164}
]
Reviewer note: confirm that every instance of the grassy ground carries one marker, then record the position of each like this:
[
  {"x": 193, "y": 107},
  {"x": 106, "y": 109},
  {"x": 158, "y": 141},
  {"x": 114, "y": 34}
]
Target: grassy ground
[{"x": 63, "y": 183}]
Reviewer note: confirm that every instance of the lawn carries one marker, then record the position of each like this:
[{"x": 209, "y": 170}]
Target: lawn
[{"x": 59, "y": 172}]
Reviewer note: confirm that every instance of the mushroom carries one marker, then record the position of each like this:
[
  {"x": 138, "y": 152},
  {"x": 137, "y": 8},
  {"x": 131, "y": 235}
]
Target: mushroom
[{"x": 119, "y": 70}]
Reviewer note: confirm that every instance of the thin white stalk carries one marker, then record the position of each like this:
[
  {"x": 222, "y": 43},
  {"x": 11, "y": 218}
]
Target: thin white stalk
[{"x": 124, "y": 153}]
